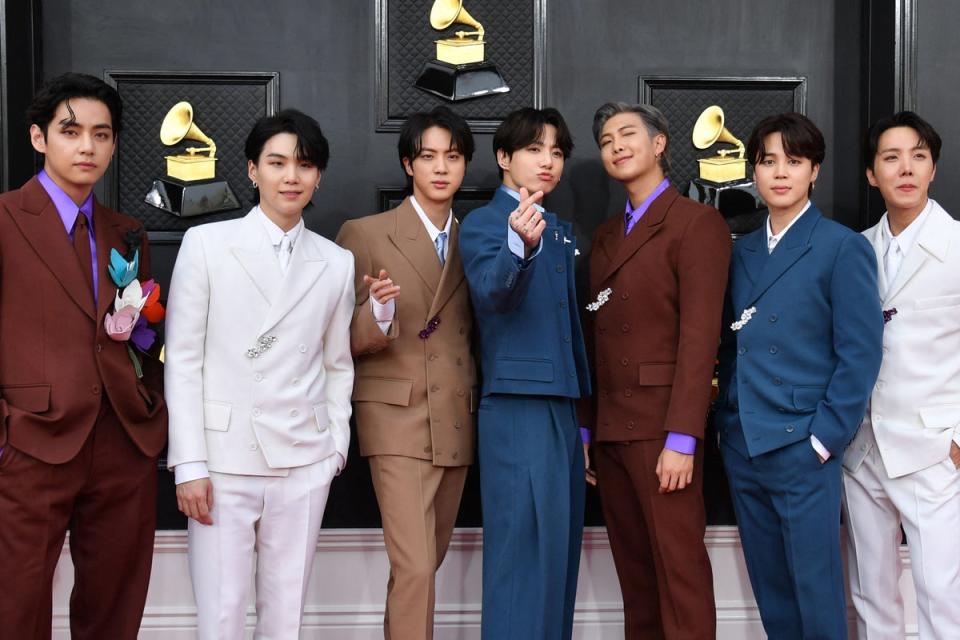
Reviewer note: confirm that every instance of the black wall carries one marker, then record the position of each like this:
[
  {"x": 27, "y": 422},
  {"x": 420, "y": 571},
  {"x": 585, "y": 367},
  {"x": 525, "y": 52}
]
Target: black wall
[{"x": 325, "y": 51}]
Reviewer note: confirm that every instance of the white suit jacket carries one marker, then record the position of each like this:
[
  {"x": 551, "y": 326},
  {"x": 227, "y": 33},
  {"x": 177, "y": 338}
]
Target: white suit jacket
[
  {"x": 290, "y": 405},
  {"x": 915, "y": 405}
]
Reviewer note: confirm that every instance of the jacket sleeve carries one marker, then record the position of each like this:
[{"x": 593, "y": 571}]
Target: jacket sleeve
[
  {"x": 338, "y": 365},
  {"x": 498, "y": 279},
  {"x": 704, "y": 262},
  {"x": 186, "y": 329},
  {"x": 365, "y": 334},
  {"x": 857, "y": 343}
]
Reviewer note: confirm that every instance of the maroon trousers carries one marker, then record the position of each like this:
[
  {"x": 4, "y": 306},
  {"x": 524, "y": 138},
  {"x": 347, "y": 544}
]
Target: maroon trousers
[
  {"x": 106, "y": 497},
  {"x": 657, "y": 544}
]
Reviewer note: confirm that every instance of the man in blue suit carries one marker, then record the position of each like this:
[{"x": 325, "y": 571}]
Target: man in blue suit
[
  {"x": 518, "y": 260},
  {"x": 795, "y": 375}
]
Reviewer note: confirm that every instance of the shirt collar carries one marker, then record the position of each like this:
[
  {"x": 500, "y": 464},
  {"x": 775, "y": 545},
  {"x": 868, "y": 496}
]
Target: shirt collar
[
  {"x": 65, "y": 205},
  {"x": 516, "y": 196},
  {"x": 431, "y": 228},
  {"x": 908, "y": 237},
  {"x": 638, "y": 211},
  {"x": 783, "y": 232},
  {"x": 274, "y": 232}
]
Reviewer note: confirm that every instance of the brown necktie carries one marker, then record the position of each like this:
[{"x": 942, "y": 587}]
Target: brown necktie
[{"x": 81, "y": 244}]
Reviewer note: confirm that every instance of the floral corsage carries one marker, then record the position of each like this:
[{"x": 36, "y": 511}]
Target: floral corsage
[{"x": 136, "y": 306}]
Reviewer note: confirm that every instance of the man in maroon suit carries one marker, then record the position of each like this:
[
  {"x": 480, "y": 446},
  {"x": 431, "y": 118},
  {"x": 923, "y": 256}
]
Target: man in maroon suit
[
  {"x": 658, "y": 272},
  {"x": 79, "y": 430}
]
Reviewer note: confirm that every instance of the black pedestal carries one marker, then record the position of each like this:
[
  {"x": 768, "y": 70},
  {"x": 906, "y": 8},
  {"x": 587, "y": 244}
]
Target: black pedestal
[
  {"x": 456, "y": 82},
  {"x": 187, "y": 199}
]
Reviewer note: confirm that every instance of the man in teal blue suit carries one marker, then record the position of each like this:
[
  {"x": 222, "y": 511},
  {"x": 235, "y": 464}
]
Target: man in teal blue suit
[
  {"x": 796, "y": 370},
  {"x": 519, "y": 261}
]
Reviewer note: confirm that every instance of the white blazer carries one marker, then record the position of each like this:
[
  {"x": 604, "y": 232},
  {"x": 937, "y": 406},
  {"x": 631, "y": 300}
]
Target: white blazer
[
  {"x": 290, "y": 405},
  {"x": 915, "y": 405}
]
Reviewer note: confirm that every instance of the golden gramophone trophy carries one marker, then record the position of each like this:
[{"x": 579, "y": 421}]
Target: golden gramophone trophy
[
  {"x": 191, "y": 187},
  {"x": 459, "y": 72},
  {"x": 723, "y": 167}
]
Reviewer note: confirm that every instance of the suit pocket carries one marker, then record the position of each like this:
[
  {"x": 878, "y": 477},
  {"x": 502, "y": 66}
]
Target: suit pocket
[
  {"x": 530, "y": 369},
  {"x": 387, "y": 390},
  {"x": 939, "y": 417},
  {"x": 216, "y": 415},
  {"x": 34, "y": 398},
  {"x": 938, "y": 302},
  {"x": 805, "y": 398},
  {"x": 323, "y": 418},
  {"x": 655, "y": 374}
]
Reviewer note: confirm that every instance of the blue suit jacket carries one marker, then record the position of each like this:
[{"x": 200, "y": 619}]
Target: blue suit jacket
[
  {"x": 806, "y": 362},
  {"x": 526, "y": 312}
]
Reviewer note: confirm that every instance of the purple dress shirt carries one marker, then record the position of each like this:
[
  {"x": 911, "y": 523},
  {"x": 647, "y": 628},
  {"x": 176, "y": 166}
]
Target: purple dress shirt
[
  {"x": 68, "y": 211},
  {"x": 679, "y": 442}
]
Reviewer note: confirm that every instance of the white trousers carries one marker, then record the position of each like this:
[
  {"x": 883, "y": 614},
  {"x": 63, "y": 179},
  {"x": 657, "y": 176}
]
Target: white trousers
[
  {"x": 927, "y": 503},
  {"x": 279, "y": 519}
]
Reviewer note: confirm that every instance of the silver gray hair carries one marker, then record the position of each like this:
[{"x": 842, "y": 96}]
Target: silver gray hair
[{"x": 653, "y": 119}]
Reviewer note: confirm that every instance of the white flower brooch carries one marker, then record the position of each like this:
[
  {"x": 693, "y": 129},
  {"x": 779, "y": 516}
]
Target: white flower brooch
[
  {"x": 602, "y": 298},
  {"x": 744, "y": 319}
]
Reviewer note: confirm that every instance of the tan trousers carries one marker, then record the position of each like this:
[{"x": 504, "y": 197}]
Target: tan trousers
[{"x": 418, "y": 504}]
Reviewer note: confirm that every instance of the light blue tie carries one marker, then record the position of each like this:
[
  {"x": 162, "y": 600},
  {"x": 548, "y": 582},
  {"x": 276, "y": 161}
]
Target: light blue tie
[{"x": 441, "y": 243}]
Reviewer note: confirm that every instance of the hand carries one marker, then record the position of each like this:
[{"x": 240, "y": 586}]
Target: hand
[
  {"x": 955, "y": 454},
  {"x": 590, "y": 473},
  {"x": 382, "y": 288},
  {"x": 526, "y": 220},
  {"x": 674, "y": 470},
  {"x": 195, "y": 499}
]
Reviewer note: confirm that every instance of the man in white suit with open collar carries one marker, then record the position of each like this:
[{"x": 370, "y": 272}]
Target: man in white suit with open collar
[
  {"x": 902, "y": 467},
  {"x": 259, "y": 376}
]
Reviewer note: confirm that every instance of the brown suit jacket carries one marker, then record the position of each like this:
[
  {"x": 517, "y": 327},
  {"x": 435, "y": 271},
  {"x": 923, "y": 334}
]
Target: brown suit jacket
[
  {"x": 412, "y": 397},
  {"x": 654, "y": 343},
  {"x": 55, "y": 357}
]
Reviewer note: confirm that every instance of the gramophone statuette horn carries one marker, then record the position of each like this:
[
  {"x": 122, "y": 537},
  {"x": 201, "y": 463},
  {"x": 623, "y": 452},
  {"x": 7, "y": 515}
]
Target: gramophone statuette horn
[
  {"x": 178, "y": 125},
  {"x": 447, "y": 12},
  {"x": 709, "y": 130}
]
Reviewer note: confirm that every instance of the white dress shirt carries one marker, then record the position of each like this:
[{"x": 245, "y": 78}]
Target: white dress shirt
[
  {"x": 383, "y": 313},
  {"x": 278, "y": 239},
  {"x": 896, "y": 247},
  {"x": 772, "y": 240}
]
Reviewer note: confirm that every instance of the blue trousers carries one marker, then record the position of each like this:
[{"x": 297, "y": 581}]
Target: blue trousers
[
  {"x": 788, "y": 510},
  {"x": 532, "y": 493}
]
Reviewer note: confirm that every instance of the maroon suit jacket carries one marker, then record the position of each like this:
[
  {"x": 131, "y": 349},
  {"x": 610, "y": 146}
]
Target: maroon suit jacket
[
  {"x": 55, "y": 357},
  {"x": 654, "y": 342}
]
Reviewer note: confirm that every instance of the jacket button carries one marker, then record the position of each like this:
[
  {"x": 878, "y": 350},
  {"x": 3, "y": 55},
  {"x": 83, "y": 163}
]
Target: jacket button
[
  {"x": 624, "y": 296},
  {"x": 426, "y": 449},
  {"x": 253, "y": 446},
  {"x": 296, "y": 381},
  {"x": 460, "y": 392},
  {"x": 294, "y": 413},
  {"x": 434, "y": 388},
  {"x": 459, "y": 362},
  {"x": 563, "y": 304},
  {"x": 454, "y": 456},
  {"x": 773, "y": 317},
  {"x": 625, "y": 328},
  {"x": 773, "y": 350},
  {"x": 432, "y": 357},
  {"x": 781, "y": 410},
  {"x": 790, "y": 428},
  {"x": 302, "y": 348},
  {"x": 566, "y": 338},
  {"x": 256, "y": 412},
  {"x": 742, "y": 350},
  {"x": 628, "y": 392},
  {"x": 99, "y": 348},
  {"x": 258, "y": 376},
  {"x": 630, "y": 424},
  {"x": 456, "y": 425},
  {"x": 559, "y": 268},
  {"x": 95, "y": 389},
  {"x": 777, "y": 382},
  {"x": 624, "y": 362}
]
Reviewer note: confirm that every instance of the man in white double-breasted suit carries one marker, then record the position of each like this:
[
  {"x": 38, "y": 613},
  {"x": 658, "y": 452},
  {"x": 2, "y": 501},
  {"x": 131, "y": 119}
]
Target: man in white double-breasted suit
[
  {"x": 902, "y": 465},
  {"x": 259, "y": 376}
]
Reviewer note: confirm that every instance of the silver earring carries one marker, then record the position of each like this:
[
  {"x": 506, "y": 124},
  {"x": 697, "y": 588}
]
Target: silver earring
[
  {"x": 253, "y": 183},
  {"x": 317, "y": 188}
]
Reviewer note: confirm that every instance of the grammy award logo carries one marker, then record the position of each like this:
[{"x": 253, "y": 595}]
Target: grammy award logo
[
  {"x": 720, "y": 168},
  {"x": 459, "y": 71},
  {"x": 190, "y": 187}
]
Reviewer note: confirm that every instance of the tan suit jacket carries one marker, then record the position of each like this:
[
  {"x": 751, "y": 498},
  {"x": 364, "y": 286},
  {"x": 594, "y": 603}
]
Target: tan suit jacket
[{"x": 412, "y": 396}]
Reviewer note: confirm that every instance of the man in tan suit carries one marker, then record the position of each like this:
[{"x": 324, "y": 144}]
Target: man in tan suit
[{"x": 415, "y": 376}]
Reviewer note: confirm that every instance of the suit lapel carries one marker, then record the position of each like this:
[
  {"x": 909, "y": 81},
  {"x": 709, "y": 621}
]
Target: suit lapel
[
  {"x": 791, "y": 248},
  {"x": 754, "y": 254},
  {"x": 413, "y": 242},
  {"x": 933, "y": 242},
  {"x": 452, "y": 272},
  {"x": 42, "y": 227},
  {"x": 647, "y": 227},
  {"x": 307, "y": 262},
  {"x": 255, "y": 255}
]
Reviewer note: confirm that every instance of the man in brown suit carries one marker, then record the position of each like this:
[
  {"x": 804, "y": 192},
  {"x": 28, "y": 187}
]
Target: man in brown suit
[
  {"x": 414, "y": 393},
  {"x": 658, "y": 273},
  {"x": 79, "y": 431}
]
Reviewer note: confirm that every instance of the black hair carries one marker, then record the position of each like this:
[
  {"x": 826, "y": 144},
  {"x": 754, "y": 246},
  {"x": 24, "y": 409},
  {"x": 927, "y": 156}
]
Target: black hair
[
  {"x": 63, "y": 88},
  {"x": 525, "y": 126},
  {"x": 311, "y": 145},
  {"x": 411, "y": 134},
  {"x": 801, "y": 138},
  {"x": 929, "y": 138}
]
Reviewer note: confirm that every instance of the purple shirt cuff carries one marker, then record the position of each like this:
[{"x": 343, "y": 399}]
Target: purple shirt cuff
[{"x": 681, "y": 443}]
